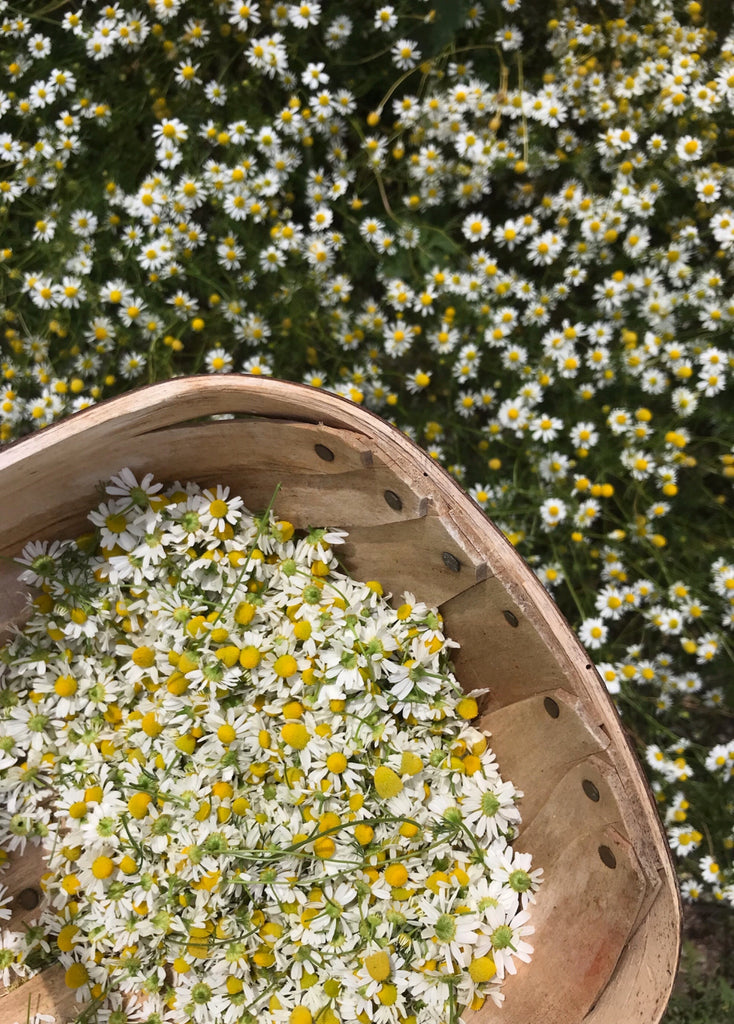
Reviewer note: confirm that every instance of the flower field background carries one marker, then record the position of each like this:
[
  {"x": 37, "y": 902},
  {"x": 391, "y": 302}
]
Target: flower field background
[{"x": 506, "y": 227}]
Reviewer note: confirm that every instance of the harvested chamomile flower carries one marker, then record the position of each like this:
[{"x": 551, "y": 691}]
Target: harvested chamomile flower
[{"x": 256, "y": 784}]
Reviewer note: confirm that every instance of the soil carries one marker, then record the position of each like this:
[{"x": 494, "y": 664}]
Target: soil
[{"x": 708, "y": 935}]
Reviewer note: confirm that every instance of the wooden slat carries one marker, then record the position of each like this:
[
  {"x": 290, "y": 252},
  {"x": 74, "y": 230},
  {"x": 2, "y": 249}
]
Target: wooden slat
[
  {"x": 44, "y": 993},
  {"x": 603, "y": 772},
  {"x": 229, "y": 452},
  {"x": 486, "y": 619},
  {"x": 295, "y": 446},
  {"x": 569, "y": 810},
  {"x": 14, "y": 597},
  {"x": 21, "y": 877},
  {"x": 582, "y": 920},
  {"x": 582, "y": 899},
  {"x": 638, "y": 990},
  {"x": 535, "y": 749},
  {"x": 418, "y": 555}
]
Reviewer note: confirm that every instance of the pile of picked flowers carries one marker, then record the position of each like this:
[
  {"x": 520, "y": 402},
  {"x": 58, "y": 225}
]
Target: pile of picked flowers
[{"x": 256, "y": 783}]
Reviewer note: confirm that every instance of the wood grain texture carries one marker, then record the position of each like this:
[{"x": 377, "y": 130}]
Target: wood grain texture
[
  {"x": 44, "y": 993},
  {"x": 489, "y": 618},
  {"x": 582, "y": 921},
  {"x": 606, "y": 938},
  {"x": 22, "y": 879},
  {"x": 639, "y": 989},
  {"x": 417, "y": 555},
  {"x": 534, "y": 748}
]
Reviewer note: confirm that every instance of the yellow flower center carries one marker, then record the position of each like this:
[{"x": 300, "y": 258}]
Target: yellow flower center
[
  {"x": 102, "y": 867},
  {"x": 387, "y": 782},
  {"x": 378, "y": 966},
  {"x": 482, "y": 969},
  {"x": 218, "y": 508},
  {"x": 65, "y": 686},
  {"x": 76, "y": 976},
  {"x": 285, "y": 666},
  {"x": 295, "y": 735},
  {"x": 144, "y": 657}
]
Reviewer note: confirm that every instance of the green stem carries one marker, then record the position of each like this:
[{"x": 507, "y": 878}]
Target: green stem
[{"x": 260, "y": 527}]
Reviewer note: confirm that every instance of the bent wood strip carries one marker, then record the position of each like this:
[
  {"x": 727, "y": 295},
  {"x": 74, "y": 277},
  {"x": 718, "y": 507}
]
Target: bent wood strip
[
  {"x": 22, "y": 879},
  {"x": 13, "y": 597},
  {"x": 486, "y": 620},
  {"x": 534, "y": 747},
  {"x": 638, "y": 990},
  {"x": 582, "y": 920},
  {"x": 567, "y": 810},
  {"x": 418, "y": 555},
  {"x": 524, "y": 667},
  {"x": 601, "y": 770},
  {"x": 44, "y": 993},
  {"x": 288, "y": 443},
  {"x": 222, "y": 452}
]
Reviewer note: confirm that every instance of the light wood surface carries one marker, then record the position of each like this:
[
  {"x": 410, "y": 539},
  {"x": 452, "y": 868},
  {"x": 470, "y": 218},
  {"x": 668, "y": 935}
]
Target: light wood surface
[{"x": 607, "y": 937}]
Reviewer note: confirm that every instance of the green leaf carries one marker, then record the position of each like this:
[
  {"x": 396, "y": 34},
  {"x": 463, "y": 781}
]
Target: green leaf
[{"x": 449, "y": 20}]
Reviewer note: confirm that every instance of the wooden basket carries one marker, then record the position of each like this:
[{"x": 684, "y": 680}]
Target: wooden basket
[{"x": 607, "y": 918}]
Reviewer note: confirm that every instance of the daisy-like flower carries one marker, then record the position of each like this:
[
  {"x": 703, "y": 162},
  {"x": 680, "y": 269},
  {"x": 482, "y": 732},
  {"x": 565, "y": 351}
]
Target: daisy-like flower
[
  {"x": 241, "y": 15},
  {"x": 304, "y": 14},
  {"x": 552, "y": 512},
  {"x": 689, "y": 148},
  {"x": 42, "y": 561},
  {"x": 475, "y": 227},
  {"x": 116, "y": 529},
  {"x": 221, "y": 508},
  {"x": 418, "y": 381},
  {"x": 593, "y": 633},
  {"x": 405, "y": 54},
  {"x": 132, "y": 365},
  {"x": 489, "y": 807},
  {"x": 385, "y": 18},
  {"x": 454, "y": 934},
  {"x": 126, "y": 485},
  {"x": 218, "y": 360},
  {"x": 545, "y": 428},
  {"x": 506, "y": 931}
]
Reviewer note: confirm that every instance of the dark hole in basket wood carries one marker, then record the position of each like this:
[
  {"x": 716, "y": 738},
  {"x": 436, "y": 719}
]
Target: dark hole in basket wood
[
  {"x": 451, "y": 561},
  {"x": 607, "y": 857},
  {"x": 551, "y": 707},
  {"x": 511, "y": 618},
  {"x": 393, "y": 500},
  {"x": 590, "y": 789},
  {"x": 323, "y": 452},
  {"x": 29, "y": 899}
]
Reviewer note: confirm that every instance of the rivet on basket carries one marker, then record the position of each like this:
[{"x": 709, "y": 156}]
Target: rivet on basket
[
  {"x": 551, "y": 707},
  {"x": 590, "y": 789},
  {"x": 451, "y": 561},
  {"x": 29, "y": 898},
  {"x": 394, "y": 500},
  {"x": 323, "y": 452},
  {"x": 511, "y": 618},
  {"x": 607, "y": 857}
]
